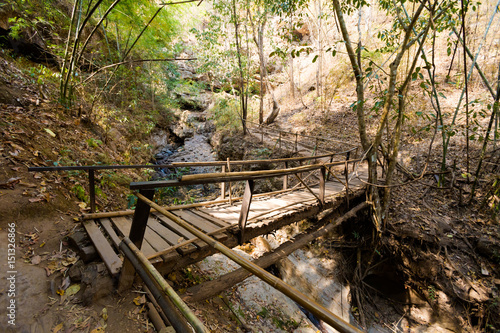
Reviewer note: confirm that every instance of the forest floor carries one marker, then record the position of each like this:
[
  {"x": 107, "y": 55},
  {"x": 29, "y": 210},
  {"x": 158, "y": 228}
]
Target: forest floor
[{"x": 436, "y": 244}]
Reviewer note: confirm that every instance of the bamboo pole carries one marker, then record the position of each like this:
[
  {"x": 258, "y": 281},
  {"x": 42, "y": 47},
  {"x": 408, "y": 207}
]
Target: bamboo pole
[
  {"x": 164, "y": 286},
  {"x": 318, "y": 310},
  {"x": 179, "y": 323}
]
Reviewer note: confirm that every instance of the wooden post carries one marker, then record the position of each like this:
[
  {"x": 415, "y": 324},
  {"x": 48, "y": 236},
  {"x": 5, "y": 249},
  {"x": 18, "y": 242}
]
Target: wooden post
[
  {"x": 322, "y": 178},
  {"x": 223, "y": 185},
  {"x": 296, "y": 145},
  {"x": 355, "y": 156},
  {"x": 329, "y": 171},
  {"x": 136, "y": 235},
  {"x": 245, "y": 208},
  {"x": 229, "y": 184},
  {"x": 285, "y": 178},
  {"x": 92, "y": 190},
  {"x": 346, "y": 171},
  {"x": 261, "y": 134}
]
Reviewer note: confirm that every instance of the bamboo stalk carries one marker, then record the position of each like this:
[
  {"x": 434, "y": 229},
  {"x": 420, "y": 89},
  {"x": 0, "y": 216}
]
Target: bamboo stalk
[
  {"x": 164, "y": 286},
  {"x": 178, "y": 321},
  {"x": 305, "y": 301}
]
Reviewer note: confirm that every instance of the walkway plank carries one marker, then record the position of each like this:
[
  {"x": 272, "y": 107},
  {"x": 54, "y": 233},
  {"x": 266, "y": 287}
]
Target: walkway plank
[
  {"x": 162, "y": 231},
  {"x": 106, "y": 252},
  {"x": 196, "y": 220},
  {"x": 123, "y": 224},
  {"x": 168, "y": 223},
  {"x": 106, "y": 224}
]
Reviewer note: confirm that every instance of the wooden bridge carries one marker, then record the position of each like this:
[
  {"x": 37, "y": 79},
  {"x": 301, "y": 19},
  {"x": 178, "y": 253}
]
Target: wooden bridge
[
  {"x": 233, "y": 220},
  {"x": 173, "y": 237}
]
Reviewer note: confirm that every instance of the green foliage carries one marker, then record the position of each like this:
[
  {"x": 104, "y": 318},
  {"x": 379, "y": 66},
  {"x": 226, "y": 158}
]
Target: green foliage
[
  {"x": 131, "y": 201},
  {"x": 93, "y": 143},
  {"x": 36, "y": 16},
  {"x": 225, "y": 114},
  {"x": 431, "y": 291},
  {"x": 264, "y": 312},
  {"x": 79, "y": 191}
]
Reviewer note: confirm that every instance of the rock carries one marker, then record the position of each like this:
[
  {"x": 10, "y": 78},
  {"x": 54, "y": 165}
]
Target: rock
[{"x": 75, "y": 272}]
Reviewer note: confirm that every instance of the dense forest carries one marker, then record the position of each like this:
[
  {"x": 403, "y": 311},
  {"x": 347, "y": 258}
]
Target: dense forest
[{"x": 415, "y": 85}]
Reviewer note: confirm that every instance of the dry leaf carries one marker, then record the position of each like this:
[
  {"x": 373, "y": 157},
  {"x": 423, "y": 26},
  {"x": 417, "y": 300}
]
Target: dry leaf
[
  {"x": 36, "y": 260},
  {"x": 57, "y": 328},
  {"x": 104, "y": 314},
  {"x": 140, "y": 300},
  {"x": 52, "y": 134}
]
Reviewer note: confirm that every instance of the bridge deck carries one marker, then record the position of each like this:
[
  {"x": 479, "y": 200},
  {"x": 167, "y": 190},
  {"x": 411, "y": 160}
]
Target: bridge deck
[{"x": 169, "y": 246}]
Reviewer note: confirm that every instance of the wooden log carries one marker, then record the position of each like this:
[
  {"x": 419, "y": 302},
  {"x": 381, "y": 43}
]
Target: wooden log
[{"x": 211, "y": 288}]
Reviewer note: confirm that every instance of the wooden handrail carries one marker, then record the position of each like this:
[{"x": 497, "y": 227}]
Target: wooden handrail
[
  {"x": 208, "y": 178},
  {"x": 302, "y": 135}
]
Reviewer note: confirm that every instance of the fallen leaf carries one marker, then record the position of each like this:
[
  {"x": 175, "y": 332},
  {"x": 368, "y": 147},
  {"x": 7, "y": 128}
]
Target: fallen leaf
[
  {"x": 73, "y": 289},
  {"x": 36, "y": 260},
  {"x": 43, "y": 244},
  {"x": 35, "y": 199},
  {"x": 104, "y": 314},
  {"x": 52, "y": 134},
  {"x": 140, "y": 300},
  {"x": 10, "y": 183},
  {"x": 57, "y": 328},
  {"x": 98, "y": 330},
  {"x": 30, "y": 185},
  {"x": 60, "y": 292},
  {"x": 484, "y": 270},
  {"x": 69, "y": 261}
]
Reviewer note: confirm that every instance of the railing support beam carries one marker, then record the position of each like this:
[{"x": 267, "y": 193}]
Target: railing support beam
[
  {"x": 136, "y": 235},
  {"x": 245, "y": 209}
]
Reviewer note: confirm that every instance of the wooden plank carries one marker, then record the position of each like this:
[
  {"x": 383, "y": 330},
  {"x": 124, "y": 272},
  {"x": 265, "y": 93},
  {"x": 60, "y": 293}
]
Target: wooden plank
[
  {"x": 157, "y": 242},
  {"x": 162, "y": 230},
  {"x": 166, "y": 222},
  {"x": 210, "y": 218},
  {"x": 196, "y": 220},
  {"x": 106, "y": 224},
  {"x": 106, "y": 252},
  {"x": 124, "y": 225}
]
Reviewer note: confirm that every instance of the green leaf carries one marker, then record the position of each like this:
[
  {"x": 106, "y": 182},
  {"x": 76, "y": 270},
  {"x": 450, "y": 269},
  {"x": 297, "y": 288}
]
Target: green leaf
[
  {"x": 72, "y": 290},
  {"x": 334, "y": 52},
  {"x": 315, "y": 58}
]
